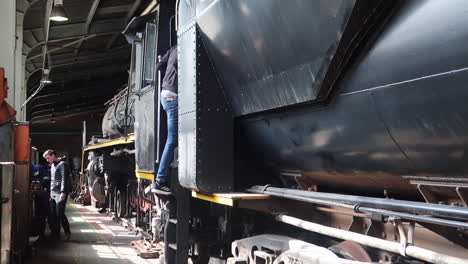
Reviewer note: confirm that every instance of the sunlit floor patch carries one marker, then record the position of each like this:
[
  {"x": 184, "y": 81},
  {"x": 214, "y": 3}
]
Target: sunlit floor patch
[
  {"x": 96, "y": 238},
  {"x": 76, "y": 219}
]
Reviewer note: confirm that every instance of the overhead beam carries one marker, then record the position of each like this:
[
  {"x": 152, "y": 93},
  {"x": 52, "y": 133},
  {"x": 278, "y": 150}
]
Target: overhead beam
[
  {"x": 129, "y": 15},
  {"x": 72, "y": 31},
  {"x": 95, "y": 54},
  {"x": 113, "y": 10},
  {"x": 47, "y": 118},
  {"x": 119, "y": 57},
  {"x": 78, "y": 107},
  {"x": 62, "y": 47},
  {"x": 52, "y": 40},
  {"x": 80, "y": 62},
  {"x": 68, "y": 105},
  {"x": 49, "y": 5},
  {"x": 108, "y": 56},
  {"x": 79, "y": 29},
  {"x": 89, "y": 20},
  {"x": 63, "y": 112},
  {"x": 77, "y": 93},
  {"x": 89, "y": 73},
  {"x": 95, "y": 100},
  {"x": 117, "y": 77},
  {"x": 83, "y": 88},
  {"x": 30, "y": 67},
  {"x": 92, "y": 12},
  {"x": 66, "y": 113},
  {"x": 35, "y": 37}
]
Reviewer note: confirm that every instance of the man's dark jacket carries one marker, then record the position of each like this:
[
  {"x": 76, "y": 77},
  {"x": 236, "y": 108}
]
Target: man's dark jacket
[
  {"x": 168, "y": 64},
  {"x": 60, "y": 180}
]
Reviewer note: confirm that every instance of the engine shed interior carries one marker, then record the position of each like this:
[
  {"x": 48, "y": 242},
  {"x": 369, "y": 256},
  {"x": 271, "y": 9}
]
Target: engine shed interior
[{"x": 234, "y": 131}]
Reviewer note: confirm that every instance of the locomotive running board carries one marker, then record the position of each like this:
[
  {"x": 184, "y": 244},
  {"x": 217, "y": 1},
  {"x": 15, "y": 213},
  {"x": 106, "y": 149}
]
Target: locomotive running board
[
  {"x": 114, "y": 142},
  {"x": 229, "y": 199}
]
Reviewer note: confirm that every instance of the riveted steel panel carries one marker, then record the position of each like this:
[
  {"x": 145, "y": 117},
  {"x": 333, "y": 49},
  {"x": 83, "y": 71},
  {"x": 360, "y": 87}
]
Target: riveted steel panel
[
  {"x": 270, "y": 54},
  {"x": 145, "y": 132},
  {"x": 214, "y": 128},
  {"x": 187, "y": 83},
  {"x": 188, "y": 150},
  {"x": 187, "y": 70},
  {"x": 205, "y": 120}
]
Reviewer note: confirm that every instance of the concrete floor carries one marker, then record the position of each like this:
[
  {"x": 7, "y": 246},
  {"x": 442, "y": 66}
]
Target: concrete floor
[{"x": 96, "y": 238}]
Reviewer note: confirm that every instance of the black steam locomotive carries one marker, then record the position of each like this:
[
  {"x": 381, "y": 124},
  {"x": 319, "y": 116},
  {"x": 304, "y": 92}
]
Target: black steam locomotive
[{"x": 309, "y": 132}]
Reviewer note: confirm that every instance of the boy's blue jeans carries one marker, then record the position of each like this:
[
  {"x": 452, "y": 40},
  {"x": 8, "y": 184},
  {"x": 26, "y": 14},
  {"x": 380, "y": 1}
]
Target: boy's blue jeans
[{"x": 171, "y": 107}]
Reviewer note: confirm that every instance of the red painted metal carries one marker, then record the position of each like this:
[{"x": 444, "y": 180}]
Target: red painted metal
[{"x": 7, "y": 113}]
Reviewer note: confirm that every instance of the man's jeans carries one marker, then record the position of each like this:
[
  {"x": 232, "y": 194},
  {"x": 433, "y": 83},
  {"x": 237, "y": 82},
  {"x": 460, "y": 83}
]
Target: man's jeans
[
  {"x": 57, "y": 213},
  {"x": 171, "y": 108}
]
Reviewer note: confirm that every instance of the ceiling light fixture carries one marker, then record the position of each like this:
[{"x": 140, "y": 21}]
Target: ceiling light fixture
[
  {"x": 58, "y": 12},
  {"x": 45, "y": 77},
  {"x": 46, "y": 81}
]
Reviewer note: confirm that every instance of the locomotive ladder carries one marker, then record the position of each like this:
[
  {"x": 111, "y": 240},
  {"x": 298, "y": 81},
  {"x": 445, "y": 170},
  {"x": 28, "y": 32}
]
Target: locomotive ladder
[{"x": 176, "y": 232}]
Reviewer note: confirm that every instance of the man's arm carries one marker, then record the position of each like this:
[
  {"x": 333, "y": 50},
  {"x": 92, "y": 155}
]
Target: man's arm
[
  {"x": 64, "y": 189},
  {"x": 162, "y": 64}
]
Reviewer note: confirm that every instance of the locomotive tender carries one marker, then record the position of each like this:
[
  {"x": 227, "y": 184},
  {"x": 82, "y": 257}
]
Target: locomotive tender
[{"x": 309, "y": 132}]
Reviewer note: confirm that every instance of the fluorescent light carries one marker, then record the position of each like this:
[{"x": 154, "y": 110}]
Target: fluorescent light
[
  {"x": 58, "y": 19},
  {"x": 58, "y": 14},
  {"x": 46, "y": 81}
]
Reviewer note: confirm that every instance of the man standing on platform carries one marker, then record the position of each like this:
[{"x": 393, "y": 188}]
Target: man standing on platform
[
  {"x": 60, "y": 187},
  {"x": 168, "y": 66}
]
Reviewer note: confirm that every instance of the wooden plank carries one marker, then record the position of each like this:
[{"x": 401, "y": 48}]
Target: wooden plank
[{"x": 147, "y": 250}]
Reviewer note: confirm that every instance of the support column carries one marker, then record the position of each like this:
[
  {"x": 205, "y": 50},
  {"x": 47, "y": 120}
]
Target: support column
[
  {"x": 11, "y": 53},
  {"x": 7, "y": 45},
  {"x": 20, "y": 64}
]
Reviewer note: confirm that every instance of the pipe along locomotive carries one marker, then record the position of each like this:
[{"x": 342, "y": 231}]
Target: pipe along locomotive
[{"x": 309, "y": 132}]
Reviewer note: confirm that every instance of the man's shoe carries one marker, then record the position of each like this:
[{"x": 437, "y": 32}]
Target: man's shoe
[
  {"x": 102, "y": 210},
  {"x": 67, "y": 236}
]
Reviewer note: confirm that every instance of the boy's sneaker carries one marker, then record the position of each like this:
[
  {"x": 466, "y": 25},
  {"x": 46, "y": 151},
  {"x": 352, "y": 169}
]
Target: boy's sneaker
[{"x": 161, "y": 186}]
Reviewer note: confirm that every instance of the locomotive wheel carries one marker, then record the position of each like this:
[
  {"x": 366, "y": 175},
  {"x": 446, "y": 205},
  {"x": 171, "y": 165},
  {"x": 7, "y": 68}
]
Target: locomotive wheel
[
  {"x": 113, "y": 200},
  {"x": 120, "y": 204},
  {"x": 354, "y": 250}
]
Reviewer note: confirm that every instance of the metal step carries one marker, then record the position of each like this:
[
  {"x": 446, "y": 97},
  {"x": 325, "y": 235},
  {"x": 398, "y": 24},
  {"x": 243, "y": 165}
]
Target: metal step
[
  {"x": 159, "y": 192},
  {"x": 173, "y": 246}
]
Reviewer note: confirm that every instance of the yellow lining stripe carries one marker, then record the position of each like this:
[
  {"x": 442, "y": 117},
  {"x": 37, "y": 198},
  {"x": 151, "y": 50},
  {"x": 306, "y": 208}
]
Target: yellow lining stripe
[
  {"x": 229, "y": 199},
  {"x": 114, "y": 142},
  {"x": 144, "y": 175},
  {"x": 214, "y": 199}
]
